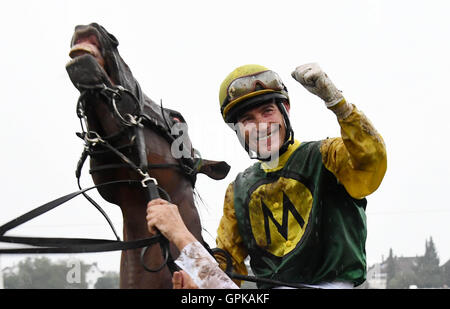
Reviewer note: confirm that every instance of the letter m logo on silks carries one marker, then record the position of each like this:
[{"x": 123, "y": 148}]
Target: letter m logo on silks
[
  {"x": 279, "y": 213},
  {"x": 283, "y": 227}
]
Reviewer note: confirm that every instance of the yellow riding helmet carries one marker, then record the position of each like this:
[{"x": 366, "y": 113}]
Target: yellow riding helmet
[{"x": 246, "y": 86}]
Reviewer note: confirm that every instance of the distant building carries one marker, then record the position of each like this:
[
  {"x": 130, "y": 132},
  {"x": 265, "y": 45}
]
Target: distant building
[
  {"x": 377, "y": 276},
  {"x": 5, "y": 272},
  {"x": 10, "y": 270},
  {"x": 445, "y": 269}
]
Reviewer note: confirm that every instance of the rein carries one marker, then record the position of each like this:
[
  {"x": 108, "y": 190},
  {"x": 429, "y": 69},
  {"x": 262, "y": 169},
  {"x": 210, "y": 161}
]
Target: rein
[
  {"x": 229, "y": 271},
  {"x": 92, "y": 138},
  {"x": 67, "y": 245}
]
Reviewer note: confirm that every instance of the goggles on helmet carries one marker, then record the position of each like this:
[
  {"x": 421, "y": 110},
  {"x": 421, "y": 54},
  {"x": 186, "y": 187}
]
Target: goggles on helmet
[{"x": 247, "y": 84}]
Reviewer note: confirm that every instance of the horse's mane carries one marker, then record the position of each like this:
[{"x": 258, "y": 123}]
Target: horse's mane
[{"x": 200, "y": 203}]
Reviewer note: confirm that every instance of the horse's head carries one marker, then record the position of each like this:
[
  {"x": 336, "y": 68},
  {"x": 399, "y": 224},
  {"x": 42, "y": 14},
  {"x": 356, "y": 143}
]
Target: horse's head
[
  {"x": 94, "y": 40},
  {"x": 96, "y": 63}
]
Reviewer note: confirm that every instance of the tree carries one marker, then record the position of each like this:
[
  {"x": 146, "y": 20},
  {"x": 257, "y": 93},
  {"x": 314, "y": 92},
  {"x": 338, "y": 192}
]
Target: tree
[
  {"x": 42, "y": 273},
  {"x": 428, "y": 271},
  {"x": 390, "y": 267},
  {"x": 109, "y": 281},
  {"x": 422, "y": 271}
]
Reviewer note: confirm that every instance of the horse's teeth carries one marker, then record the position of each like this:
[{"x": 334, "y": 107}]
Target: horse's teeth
[{"x": 83, "y": 48}]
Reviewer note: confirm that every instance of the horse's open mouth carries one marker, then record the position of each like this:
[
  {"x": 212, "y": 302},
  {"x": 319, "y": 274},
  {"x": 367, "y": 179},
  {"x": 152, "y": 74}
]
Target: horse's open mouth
[
  {"x": 86, "y": 42},
  {"x": 89, "y": 65}
]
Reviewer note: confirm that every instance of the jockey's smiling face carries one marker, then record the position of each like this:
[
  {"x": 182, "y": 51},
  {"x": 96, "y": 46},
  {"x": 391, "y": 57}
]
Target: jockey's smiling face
[{"x": 263, "y": 128}]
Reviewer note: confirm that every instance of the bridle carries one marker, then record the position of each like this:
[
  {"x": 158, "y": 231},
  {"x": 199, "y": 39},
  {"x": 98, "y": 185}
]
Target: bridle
[
  {"x": 128, "y": 121},
  {"x": 92, "y": 139}
]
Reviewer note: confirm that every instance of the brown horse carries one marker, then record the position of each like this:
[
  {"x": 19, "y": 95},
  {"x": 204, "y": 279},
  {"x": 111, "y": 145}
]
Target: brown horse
[{"x": 115, "y": 109}]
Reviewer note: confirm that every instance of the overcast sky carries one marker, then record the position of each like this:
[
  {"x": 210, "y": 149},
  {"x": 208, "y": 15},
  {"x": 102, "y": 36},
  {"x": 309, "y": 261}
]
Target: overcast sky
[{"x": 390, "y": 58}]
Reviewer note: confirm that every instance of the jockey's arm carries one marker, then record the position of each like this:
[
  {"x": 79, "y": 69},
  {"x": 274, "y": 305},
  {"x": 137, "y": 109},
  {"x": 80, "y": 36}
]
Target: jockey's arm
[
  {"x": 358, "y": 157},
  {"x": 194, "y": 259},
  {"x": 229, "y": 238}
]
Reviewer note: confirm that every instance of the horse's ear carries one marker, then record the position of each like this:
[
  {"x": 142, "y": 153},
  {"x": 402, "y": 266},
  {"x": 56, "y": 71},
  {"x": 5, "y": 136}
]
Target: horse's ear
[{"x": 214, "y": 169}]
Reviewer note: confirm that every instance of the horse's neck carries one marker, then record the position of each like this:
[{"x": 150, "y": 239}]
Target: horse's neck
[
  {"x": 134, "y": 222},
  {"x": 134, "y": 210},
  {"x": 135, "y": 227}
]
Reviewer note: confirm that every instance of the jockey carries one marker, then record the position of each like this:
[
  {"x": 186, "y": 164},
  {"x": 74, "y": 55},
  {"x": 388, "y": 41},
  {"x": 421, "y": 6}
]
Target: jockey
[{"x": 299, "y": 211}]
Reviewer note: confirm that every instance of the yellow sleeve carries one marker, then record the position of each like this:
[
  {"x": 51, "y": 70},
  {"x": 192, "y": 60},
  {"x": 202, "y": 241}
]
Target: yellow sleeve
[
  {"x": 357, "y": 158},
  {"x": 228, "y": 237}
]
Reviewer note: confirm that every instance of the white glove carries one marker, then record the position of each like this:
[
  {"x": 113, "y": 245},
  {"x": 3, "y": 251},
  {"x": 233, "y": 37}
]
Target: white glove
[{"x": 315, "y": 80}]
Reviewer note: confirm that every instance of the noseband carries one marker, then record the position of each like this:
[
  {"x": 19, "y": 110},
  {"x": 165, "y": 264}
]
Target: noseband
[{"x": 134, "y": 125}]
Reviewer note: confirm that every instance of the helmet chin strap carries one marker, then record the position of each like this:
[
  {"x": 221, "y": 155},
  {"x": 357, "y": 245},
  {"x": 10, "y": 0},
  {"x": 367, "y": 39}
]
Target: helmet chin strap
[{"x": 288, "y": 139}]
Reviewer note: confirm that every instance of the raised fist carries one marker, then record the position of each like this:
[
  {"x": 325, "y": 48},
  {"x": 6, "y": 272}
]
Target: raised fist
[{"x": 317, "y": 82}]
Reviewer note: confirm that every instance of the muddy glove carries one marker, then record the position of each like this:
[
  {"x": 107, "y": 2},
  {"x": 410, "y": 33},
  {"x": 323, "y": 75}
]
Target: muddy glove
[{"x": 317, "y": 82}]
